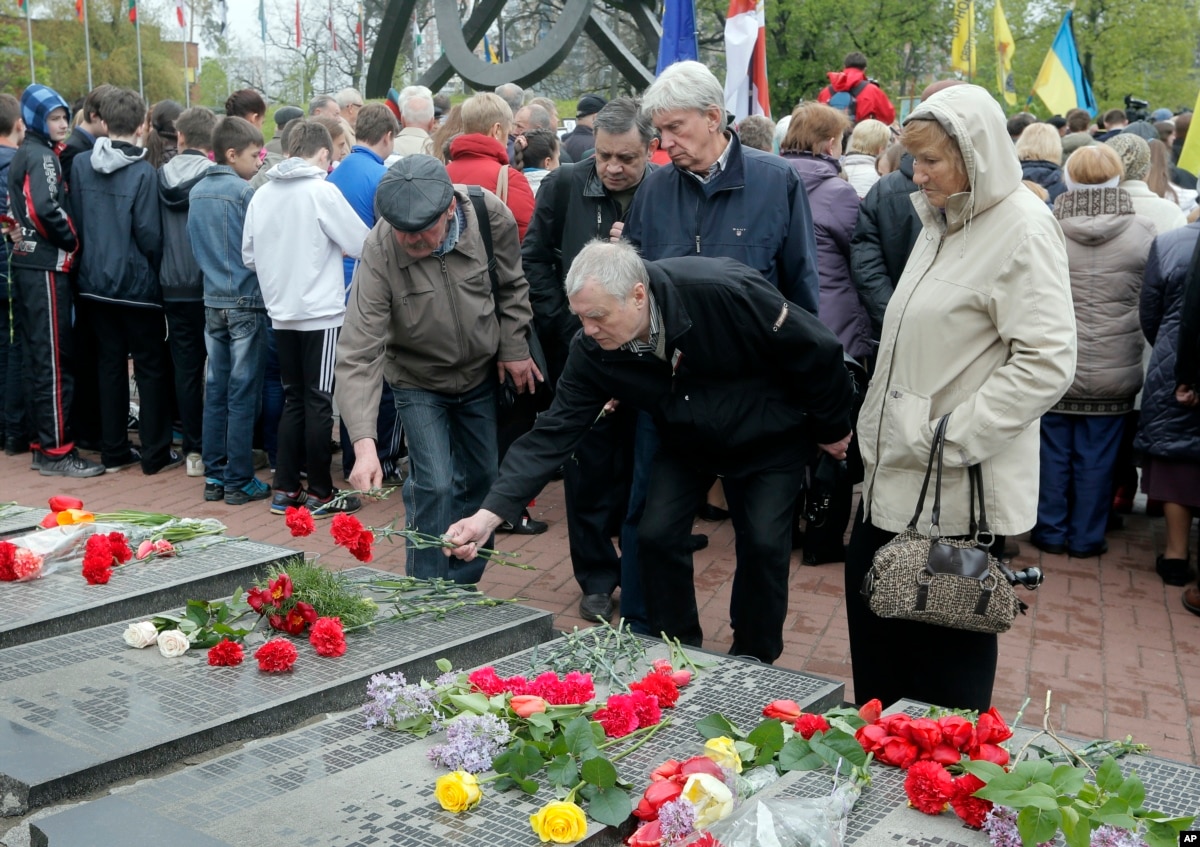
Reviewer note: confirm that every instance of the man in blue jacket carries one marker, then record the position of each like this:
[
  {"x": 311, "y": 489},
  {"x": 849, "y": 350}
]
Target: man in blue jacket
[{"x": 739, "y": 381}]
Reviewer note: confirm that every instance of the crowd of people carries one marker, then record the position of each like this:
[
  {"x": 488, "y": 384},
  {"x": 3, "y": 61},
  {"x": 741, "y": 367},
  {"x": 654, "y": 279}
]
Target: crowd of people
[{"x": 676, "y": 314}]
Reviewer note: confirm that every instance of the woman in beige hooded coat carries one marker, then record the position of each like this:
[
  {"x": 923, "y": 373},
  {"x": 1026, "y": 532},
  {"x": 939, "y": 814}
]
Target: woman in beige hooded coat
[{"x": 981, "y": 327}]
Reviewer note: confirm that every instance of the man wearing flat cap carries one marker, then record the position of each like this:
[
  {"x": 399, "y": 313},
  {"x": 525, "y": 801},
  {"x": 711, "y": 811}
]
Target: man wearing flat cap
[
  {"x": 580, "y": 141},
  {"x": 422, "y": 315}
]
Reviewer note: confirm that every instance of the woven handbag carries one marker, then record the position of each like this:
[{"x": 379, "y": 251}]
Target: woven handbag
[{"x": 948, "y": 582}]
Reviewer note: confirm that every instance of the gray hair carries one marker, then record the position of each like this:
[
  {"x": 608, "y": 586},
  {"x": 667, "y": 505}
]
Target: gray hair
[
  {"x": 320, "y": 102},
  {"x": 539, "y": 118},
  {"x": 417, "y": 110},
  {"x": 615, "y": 265},
  {"x": 349, "y": 97},
  {"x": 684, "y": 85},
  {"x": 781, "y": 130},
  {"x": 621, "y": 115},
  {"x": 513, "y": 95},
  {"x": 410, "y": 91}
]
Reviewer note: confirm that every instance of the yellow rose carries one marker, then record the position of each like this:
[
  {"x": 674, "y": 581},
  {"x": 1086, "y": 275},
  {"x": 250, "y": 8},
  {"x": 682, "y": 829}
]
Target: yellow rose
[
  {"x": 712, "y": 798},
  {"x": 458, "y": 791},
  {"x": 559, "y": 822},
  {"x": 722, "y": 751}
]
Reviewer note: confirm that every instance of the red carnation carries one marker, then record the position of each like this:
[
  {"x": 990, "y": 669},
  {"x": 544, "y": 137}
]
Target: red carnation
[
  {"x": 361, "y": 548},
  {"x": 97, "y": 560},
  {"x": 120, "y": 547},
  {"x": 327, "y": 637},
  {"x": 660, "y": 686},
  {"x": 226, "y": 654},
  {"x": 971, "y": 809},
  {"x": 300, "y": 521},
  {"x": 809, "y": 724},
  {"x": 577, "y": 688},
  {"x": 345, "y": 529},
  {"x": 7, "y": 553},
  {"x": 645, "y": 706},
  {"x": 276, "y": 656},
  {"x": 929, "y": 787},
  {"x": 485, "y": 679},
  {"x": 618, "y": 719}
]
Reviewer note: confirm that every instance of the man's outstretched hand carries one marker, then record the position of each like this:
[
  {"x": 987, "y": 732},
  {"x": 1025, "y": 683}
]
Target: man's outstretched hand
[{"x": 469, "y": 533}]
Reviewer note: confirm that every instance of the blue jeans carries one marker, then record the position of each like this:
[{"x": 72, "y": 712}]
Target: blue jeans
[
  {"x": 1079, "y": 456},
  {"x": 452, "y": 464},
  {"x": 236, "y": 341}
]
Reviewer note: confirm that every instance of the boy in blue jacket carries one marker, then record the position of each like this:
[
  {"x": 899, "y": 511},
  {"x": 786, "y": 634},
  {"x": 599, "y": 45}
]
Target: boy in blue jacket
[
  {"x": 235, "y": 332},
  {"x": 114, "y": 203}
]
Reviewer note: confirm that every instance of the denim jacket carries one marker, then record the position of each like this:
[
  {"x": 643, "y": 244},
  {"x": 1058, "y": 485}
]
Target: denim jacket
[{"x": 215, "y": 222}]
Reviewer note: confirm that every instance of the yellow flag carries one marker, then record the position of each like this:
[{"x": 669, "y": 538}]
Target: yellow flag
[
  {"x": 962, "y": 49},
  {"x": 1189, "y": 156},
  {"x": 1005, "y": 48}
]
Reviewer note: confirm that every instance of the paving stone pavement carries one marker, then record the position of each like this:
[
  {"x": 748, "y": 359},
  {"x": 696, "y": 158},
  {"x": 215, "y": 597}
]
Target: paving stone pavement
[{"x": 1113, "y": 644}]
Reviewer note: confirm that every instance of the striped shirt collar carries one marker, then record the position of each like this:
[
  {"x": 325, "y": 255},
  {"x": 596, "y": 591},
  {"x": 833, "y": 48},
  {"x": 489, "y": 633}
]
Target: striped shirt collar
[{"x": 653, "y": 344}]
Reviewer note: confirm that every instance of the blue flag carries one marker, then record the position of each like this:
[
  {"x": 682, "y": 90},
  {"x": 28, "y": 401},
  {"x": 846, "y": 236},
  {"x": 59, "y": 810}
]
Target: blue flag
[
  {"x": 678, "y": 41},
  {"x": 1061, "y": 84}
]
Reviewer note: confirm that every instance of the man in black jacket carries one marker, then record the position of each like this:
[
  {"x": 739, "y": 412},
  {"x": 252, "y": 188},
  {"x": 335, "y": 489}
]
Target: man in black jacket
[
  {"x": 575, "y": 204},
  {"x": 740, "y": 383},
  {"x": 91, "y": 126}
]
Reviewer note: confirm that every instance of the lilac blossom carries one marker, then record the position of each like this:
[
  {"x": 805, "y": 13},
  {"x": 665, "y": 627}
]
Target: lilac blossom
[
  {"x": 1114, "y": 836},
  {"x": 678, "y": 821},
  {"x": 472, "y": 741},
  {"x": 1001, "y": 827},
  {"x": 392, "y": 700}
]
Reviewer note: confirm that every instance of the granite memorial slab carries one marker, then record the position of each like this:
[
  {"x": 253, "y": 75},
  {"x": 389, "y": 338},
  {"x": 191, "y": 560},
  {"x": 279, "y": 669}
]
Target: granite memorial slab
[
  {"x": 62, "y": 602},
  {"x": 83, "y": 710},
  {"x": 339, "y": 784},
  {"x": 15, "y": 519}
]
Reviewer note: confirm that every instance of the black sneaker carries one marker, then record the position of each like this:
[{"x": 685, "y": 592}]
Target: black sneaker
[
  {"x": 281, "y": 501},
  {"x": 134, "y": 458},
  {"x": 174, "y": 460},
  {"x": 526, "y": 526},
  {"x": 335, "y": 503},
  {"x": 214, "y": 490},
  {"x": 71, "y": 465},
  {"x": 255, "y": 489}
]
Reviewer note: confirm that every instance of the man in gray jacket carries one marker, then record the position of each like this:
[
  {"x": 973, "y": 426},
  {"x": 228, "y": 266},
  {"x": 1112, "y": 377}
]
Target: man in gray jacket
[{"x": 422, "y": 314}]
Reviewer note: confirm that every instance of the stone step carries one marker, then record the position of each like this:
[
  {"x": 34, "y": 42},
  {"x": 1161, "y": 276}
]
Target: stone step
[
  {"x": 343, "y": 784},
  {"x": 15, "y": 519},
  {"x": 62, "y": 602},
  {"x": 83, "y": 710}
]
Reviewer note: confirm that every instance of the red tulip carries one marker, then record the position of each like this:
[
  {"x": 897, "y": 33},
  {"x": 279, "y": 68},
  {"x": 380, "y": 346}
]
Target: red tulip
[
  {"x": 647, "y": 835},
  {"x": 785, "y": 710},
  {"x": 871, "y": 710},
  {"x": 525, "y": 705},
  {"x": 957, "y": 731},
  {"x": 61, "y": 502},
  {"x": 666, "y": 770},
  {"x": 991, "y": 753},
  {"x": 657, "y": 793},
  {"x": 701, "y": 764}
]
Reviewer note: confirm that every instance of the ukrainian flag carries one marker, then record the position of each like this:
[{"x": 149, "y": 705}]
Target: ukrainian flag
[
  {"x": 489, "y": 52},
  {"x": 1061, "y": 84}
]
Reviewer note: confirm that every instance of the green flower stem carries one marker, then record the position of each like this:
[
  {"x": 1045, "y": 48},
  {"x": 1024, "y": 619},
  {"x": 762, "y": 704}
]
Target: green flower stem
[
  {"x": 646, "y": 734},
  {"x": 423, "y": 540}
]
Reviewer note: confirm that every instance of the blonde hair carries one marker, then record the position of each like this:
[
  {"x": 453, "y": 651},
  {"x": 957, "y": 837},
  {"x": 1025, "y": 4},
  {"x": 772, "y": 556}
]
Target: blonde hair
[
  {"x": 870, "y": 137},
  {"x": 1094, "y": 164},
  {"x": 481, "y": 112},
  {"x": 813, "y": 124},
  {"x": 1041, "y": 192},
  {"x": 1040, "y": 141},
  {"x": 925, "y": 135}
]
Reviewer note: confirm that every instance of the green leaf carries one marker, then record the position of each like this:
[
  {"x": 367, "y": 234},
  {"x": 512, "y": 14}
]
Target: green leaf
[
  {"x": 846, "y": 746},
  {"x": 531, "y": 760},
  {"x": 797, "y": 755},
  {"x": 476, "y": 703},
  {"x": 1163, "y": 834},
  {"x": 558, "y": 745},
  {"x": 1132, "y": 791},
  {"x": 579, "y": 737},
  {"x": 599, "y": 772},
  {"x": 1038, "y": 825},
  {"x": 716, "y": 725},
  {"x": 610, "y": 806},
  {"x": 1037, "y": 796},
  {"x": 1108, "y": 775},
  {"x": 444, "y": 665},
  {"x": 529, "y": 786},
  {"x": 1067, "y": 780},
  {"x": 563, "y": 771},
  {"x": 768, "y": 735},
  {"x": 1077, "y": 830},
  {"x": 986, "y": 771}
]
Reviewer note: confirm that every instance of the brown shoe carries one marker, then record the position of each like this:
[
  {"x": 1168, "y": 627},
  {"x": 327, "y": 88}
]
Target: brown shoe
[{"x": 1191, "y": 599}]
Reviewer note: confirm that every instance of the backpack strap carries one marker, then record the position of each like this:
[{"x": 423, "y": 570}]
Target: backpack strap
[
  {"x": 562, "y": 198},
  {"x": 475, "y": 193}
]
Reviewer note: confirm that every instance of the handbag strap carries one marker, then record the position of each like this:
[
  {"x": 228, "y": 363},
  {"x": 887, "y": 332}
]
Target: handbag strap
[
  {"x": 979, "y": 528},
  {"x": 936, "y": 450}
]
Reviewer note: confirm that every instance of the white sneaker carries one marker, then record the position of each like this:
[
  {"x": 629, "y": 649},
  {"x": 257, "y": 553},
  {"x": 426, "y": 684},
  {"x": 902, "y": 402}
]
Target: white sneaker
[{"x": 195, "y": 465}]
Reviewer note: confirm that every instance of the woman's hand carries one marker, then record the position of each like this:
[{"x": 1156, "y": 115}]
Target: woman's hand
[{"x": 1186, "y": 395}]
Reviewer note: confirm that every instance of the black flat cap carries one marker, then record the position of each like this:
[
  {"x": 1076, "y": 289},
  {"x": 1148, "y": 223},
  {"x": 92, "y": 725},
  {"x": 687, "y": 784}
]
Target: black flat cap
[
  {"x": 413, "y": 192},
  {"x": 284, "y": 114},
  {"x": 589, "y": 104}
]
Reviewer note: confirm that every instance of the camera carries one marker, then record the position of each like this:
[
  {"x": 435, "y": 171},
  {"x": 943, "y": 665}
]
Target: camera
[{"x": 1136, "y": 110}]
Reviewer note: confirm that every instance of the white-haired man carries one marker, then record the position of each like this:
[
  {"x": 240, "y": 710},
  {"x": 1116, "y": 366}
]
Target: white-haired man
[
  {"x": 418, "y": 121},
  {"x": 350, "y": 100}
]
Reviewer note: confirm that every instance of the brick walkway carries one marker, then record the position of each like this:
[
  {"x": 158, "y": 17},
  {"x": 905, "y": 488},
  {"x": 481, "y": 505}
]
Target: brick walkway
[{"x": 1120, "y": 653}]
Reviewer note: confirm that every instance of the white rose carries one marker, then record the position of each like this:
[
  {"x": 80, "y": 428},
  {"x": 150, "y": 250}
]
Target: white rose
[
  {"x": 711, "y": 797},
  {"x": 140, "y": 635},
  {"x": 173, "y": 643}
]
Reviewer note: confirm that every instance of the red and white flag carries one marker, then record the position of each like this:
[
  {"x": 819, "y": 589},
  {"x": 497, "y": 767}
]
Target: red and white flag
[
  {"x": 332, "y": 31},
  {"x": 179, "y": 13},
  {"x": 297, "y": 23},
  {"x": 358, "y": 30},
  {"x": 746, "y": 60}
]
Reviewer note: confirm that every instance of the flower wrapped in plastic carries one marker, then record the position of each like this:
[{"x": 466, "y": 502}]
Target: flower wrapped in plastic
[{"x": 762, "y": 822}]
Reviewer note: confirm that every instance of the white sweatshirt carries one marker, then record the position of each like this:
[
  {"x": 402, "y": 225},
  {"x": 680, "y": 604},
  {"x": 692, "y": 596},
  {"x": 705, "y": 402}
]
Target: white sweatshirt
[{"x": 297, "y": 228}]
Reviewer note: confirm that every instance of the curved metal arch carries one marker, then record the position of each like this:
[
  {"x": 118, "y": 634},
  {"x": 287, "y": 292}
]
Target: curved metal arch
[
  {"x": 396, "y": 17},
  {"x": 526, "y": 69},
  {"x": 622, "y": 58}
]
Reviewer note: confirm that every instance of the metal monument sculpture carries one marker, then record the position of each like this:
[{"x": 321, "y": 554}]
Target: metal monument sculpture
[{"x": 459, "y": 40}]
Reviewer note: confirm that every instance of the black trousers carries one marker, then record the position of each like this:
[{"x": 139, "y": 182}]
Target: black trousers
[
  {"x": 306, "y": 359},
  {"x": 894, "y": 659},
  {"x": 14, "y": 421},
  {"x": 84, "y": 409},
  {"x": 122, "y": 332},
  {"x": 185, "y": 337},
  {"x": 44, "y": 320},
  {"x": 596, "y": 487},
  {"x": 760, "y": 507}
]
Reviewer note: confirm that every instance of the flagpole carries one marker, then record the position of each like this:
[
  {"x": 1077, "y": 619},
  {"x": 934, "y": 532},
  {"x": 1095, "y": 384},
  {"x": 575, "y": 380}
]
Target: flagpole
[
  {"x": 29, "y": 32},
  {"x": 187, "y": 88},
  {"x": 137, "y": 26},
  {"x": 87, "y": 43}
]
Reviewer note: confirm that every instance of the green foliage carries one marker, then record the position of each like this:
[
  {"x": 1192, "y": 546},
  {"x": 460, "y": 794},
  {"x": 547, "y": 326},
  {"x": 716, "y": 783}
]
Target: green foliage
[{"x": 329, "y": 592}]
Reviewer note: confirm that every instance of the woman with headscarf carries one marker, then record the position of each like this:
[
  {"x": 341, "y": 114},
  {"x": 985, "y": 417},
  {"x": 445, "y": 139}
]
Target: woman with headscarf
[{"x": 980, "y": 328}]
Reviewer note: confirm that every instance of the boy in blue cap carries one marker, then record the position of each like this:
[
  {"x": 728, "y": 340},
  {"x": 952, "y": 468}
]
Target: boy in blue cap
[{"x": 42, "y": 255}]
